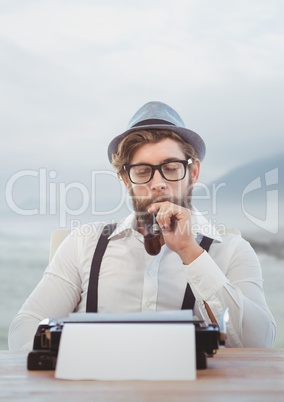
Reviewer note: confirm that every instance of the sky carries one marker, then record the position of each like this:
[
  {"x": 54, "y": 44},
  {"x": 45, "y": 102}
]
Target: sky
[{"x": 73, "y": 73}]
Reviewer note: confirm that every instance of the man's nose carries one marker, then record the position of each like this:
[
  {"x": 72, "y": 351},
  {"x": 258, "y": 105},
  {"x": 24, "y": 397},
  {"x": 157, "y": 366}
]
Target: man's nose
[{"x": 158, "y": 183}]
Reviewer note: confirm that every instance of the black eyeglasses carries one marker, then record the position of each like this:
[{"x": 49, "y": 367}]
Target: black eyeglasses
[{"x": 142, "y": 173}]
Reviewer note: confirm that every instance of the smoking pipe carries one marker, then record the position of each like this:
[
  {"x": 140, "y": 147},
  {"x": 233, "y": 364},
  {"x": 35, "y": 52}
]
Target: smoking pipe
[{"x": 152, "y": 242}]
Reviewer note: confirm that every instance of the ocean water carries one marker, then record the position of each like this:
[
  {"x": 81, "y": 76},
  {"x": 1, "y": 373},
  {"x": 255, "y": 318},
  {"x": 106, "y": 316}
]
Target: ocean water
[
  {"x": 22, "y": 262},
  {"x": 24, "y": 258}
]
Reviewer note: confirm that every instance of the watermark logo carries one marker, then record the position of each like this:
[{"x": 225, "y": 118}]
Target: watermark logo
[{"x": 271, "y": 221}]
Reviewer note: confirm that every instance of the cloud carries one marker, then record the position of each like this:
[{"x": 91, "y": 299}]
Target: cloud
[{"x": 73, "y": 73}]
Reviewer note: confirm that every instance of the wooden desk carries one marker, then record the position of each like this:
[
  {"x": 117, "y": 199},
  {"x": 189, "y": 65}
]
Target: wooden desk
[{"x": 232, "y": 375}]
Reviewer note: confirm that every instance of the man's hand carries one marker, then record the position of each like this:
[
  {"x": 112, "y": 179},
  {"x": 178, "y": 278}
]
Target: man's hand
[{"x": 175, "y": 223}]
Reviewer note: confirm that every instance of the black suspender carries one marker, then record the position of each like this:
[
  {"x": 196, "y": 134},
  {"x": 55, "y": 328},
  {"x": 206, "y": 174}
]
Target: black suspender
[
  {"x": 189, "y": 298},
  {"x": 92, "y": 295},
  {"x": 206, "y": 243}
]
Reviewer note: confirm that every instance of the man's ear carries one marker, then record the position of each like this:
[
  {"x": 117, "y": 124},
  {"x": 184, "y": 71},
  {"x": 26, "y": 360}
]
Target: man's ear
[
  {"x": 124, "y": 178},
  {"x": 195, "y": 170}
]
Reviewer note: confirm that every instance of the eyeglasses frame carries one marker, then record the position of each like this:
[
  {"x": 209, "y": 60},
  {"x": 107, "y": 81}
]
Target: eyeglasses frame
[{"x": 185, "y": 163}]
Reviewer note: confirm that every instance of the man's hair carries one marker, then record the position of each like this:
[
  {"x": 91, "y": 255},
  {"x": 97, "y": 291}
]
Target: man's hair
[{"x": 133, "y": 141}]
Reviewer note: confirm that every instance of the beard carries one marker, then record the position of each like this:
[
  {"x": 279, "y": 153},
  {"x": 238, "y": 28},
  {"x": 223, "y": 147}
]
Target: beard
[{"x": 141, "y": 204}]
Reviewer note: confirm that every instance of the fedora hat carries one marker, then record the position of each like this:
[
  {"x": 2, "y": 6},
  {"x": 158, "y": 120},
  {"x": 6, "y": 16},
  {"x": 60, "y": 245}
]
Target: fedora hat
[{"x": 158, "y": 115}]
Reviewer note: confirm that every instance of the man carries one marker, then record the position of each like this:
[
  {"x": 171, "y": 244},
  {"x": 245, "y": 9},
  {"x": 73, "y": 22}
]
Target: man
[{"x": 158, "y": 160}]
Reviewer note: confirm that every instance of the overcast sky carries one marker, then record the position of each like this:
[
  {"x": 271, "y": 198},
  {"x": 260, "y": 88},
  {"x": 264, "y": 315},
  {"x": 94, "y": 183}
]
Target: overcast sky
[{"x": 73, "y": 73}]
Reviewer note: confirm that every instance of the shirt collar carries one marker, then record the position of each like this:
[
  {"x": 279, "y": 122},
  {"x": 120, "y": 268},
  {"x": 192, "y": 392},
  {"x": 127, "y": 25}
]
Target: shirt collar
[
  {"x": 200, "y": 226},
  {"x": 126, "y": 225}
]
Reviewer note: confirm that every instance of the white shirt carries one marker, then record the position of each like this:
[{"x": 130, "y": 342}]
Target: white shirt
[{"x": 131, "y": 280}]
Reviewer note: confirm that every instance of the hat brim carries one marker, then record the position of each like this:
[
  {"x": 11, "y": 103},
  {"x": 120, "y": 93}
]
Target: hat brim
[{"x": 187, "y": 135}]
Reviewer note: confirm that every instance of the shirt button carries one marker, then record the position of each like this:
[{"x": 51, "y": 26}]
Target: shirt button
[
  {"x": 148, "y": 304},
  {"x": 150, "y": 272}
]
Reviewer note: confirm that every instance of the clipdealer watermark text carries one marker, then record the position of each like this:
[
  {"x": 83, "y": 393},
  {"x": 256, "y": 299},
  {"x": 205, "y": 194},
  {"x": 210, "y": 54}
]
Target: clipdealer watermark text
[{"x": 53, "y": 196}]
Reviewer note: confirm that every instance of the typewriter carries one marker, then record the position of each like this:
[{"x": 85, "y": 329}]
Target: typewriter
[{"x": 46, "y": 343}]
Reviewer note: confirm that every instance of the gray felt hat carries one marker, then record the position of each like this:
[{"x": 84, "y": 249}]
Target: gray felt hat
[{"x": 158, "y": 115}]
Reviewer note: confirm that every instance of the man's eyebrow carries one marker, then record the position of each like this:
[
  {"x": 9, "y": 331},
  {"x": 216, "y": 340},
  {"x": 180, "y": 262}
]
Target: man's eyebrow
[
  {"x": 175, "y": 159},
  {"x": 167, "y": 160}
]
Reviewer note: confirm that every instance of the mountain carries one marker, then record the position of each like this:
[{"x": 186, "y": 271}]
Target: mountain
[{"x": 237, "y": 179}]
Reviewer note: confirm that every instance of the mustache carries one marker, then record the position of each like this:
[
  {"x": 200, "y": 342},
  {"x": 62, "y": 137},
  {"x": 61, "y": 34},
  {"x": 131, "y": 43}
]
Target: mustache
[{"x": 141, "y": 205}]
